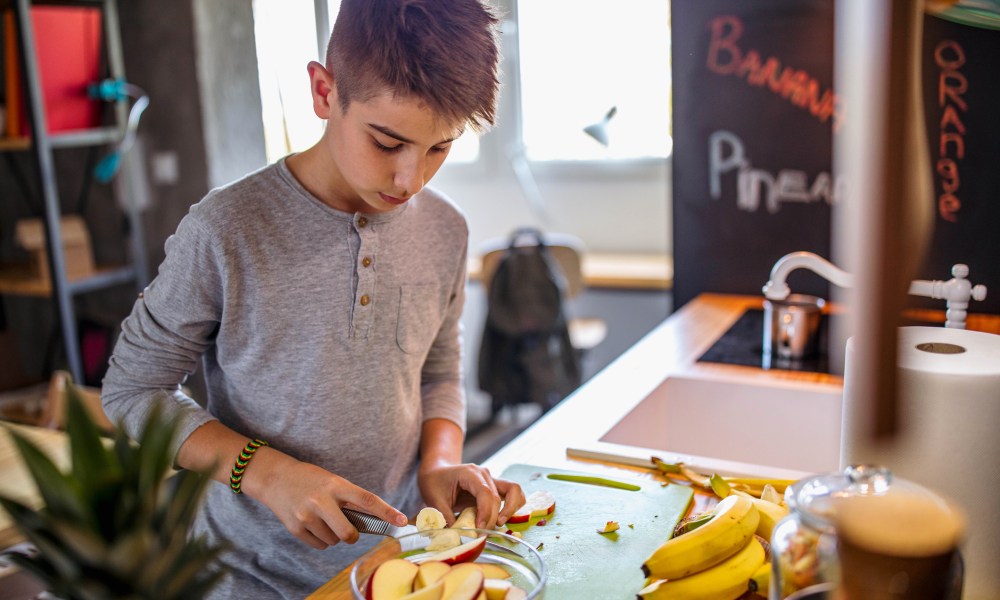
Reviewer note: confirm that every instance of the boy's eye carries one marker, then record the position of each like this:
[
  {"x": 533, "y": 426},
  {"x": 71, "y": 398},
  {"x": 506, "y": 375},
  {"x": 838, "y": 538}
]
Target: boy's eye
[
  {"x": 440, "y": 149},
  {"x": 387, "y": 149}
]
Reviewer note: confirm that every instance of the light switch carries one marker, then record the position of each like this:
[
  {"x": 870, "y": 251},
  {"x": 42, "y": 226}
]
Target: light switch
[{"x": 165, "y": 167}]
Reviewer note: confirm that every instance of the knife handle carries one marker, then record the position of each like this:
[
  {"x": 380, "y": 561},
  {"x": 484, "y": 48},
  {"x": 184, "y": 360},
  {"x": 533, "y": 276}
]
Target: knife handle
[{"x": 366, "y": 523}]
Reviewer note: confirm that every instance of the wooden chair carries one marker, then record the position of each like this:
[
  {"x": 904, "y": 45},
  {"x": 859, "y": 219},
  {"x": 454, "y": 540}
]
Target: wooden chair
[
  {"x": 585, "y": 332},
  {"x": 54, "y": 410}
]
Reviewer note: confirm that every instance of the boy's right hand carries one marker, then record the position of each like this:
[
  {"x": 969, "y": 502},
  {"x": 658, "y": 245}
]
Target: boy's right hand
[{"x": 307, "y": 499}]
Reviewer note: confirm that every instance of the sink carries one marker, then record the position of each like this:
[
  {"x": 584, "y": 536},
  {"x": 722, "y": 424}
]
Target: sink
[{"x": 785, "y": 425}]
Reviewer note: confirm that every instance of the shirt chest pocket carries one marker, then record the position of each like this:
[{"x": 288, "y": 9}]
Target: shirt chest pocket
[{"x": 419, "y": 317}]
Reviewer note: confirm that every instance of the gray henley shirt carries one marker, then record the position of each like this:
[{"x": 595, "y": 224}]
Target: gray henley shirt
[{"x": 330, "y": 335}]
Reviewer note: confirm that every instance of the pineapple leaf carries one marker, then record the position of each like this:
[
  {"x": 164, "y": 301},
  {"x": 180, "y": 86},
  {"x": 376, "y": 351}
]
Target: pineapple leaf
[
  {"x": 179, "y": 513},
  {"x": 61, "y": 494},
  {"x": 88, "y": 547},
  {"x": 122, "y": 533},
  {"x": 92, "y": 462},
  {"x": 41, "y": 569},
  {"x": 191, "y": 573},
  {"x": 155, "y": 457}
]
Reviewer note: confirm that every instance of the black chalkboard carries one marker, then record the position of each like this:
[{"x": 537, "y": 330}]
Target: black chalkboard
[
  {"x": 961, "y": 79},
  {"x": 754, "y": 114}
]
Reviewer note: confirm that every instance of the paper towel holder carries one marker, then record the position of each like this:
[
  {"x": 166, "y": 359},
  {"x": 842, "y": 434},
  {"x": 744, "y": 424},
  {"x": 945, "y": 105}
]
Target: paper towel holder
[{"x": 957, "y": 292}]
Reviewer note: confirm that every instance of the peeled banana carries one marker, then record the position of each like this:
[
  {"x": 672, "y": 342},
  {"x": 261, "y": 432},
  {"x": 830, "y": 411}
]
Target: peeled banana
[
  {"x": 725, "y": 581},
  {"x": 735, "y": 521}
]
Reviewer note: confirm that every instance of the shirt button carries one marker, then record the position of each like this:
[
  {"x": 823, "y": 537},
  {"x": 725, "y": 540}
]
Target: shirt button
[
  {"x": 366, "y": 261},
  {"x": 365, "y": 300},
  {"x": 362, "y": 221}
]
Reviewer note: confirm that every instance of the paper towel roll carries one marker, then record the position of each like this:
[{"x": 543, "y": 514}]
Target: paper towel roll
[{"x": 949, "y": 434}]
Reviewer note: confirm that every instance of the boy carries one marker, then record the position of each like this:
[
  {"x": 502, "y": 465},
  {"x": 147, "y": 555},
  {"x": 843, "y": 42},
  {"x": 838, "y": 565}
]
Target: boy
[{"x": 323, "y": 294}]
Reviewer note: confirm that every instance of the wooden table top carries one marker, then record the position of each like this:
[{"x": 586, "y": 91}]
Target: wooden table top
[{"x": 15, "y": 481}]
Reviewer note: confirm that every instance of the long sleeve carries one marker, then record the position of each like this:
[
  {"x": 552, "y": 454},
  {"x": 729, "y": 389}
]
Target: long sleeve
[{"x": 171, "y": 325}]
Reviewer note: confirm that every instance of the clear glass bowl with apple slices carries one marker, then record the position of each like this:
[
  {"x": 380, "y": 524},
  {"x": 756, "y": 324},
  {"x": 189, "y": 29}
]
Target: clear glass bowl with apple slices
[{"x": 505, "y": 568}]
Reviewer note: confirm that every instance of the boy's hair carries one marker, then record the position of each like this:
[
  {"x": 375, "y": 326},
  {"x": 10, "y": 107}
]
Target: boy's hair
[{"x": 444, "y": 52}]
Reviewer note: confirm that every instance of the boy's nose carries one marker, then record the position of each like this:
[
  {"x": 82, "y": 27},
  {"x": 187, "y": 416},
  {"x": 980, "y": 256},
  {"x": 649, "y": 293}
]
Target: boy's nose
[{"x": 410, "y": 177}]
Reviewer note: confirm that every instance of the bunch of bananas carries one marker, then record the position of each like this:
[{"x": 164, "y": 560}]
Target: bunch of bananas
[{"x": 720, "y": 559}]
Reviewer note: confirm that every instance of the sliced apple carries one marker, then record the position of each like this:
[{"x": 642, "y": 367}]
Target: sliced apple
[
  {"x": 467, "y": 552},
  {"x": 429, "y": 573},
  {"x": 501, "y": 589},
  {"x": 432, "y": 592},
  {"x": 463, "y": 582},
  {"x": 493, "y": 571},
  {"x": 392, "y": 580},
  {"x": 538, "y": 504},
  {"x": 516, "y": 593},
  {"x": 496, "y": 589}
]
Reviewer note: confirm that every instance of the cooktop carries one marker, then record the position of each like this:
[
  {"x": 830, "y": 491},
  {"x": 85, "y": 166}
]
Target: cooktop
[{"x": 743, "y": 345}]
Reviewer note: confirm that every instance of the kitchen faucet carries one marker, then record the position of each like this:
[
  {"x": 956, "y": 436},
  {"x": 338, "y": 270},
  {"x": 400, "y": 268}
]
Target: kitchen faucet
[
  {"x": 777, "y": 289},
  {"x": 957, "y": 291}
]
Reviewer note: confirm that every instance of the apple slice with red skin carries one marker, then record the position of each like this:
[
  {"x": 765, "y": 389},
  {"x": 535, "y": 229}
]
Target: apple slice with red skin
[
  {"x": 432, "y": 592},
  {"x": 392, "y": 580},
  {"x": 467, "y": 552},
  {"x": 538, "y": 504},
  {"x": 463, "y": 582}
]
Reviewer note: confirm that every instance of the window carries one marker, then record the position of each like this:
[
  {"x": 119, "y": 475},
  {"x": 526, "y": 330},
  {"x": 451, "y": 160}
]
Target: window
[
  {"x": 573, "y": 59},
  {"x": 580, "y": 58}
]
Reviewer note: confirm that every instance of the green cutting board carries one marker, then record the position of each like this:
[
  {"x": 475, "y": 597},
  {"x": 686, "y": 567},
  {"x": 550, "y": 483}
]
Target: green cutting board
[{"x": 582, "y": 563}]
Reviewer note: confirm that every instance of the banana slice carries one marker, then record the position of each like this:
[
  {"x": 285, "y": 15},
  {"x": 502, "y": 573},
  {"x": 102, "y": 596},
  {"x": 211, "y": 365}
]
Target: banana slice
[
  {"x": 430, "y": 518},
  {"x": 466, "y": 519},
  {"x": 444, "y": 540}
]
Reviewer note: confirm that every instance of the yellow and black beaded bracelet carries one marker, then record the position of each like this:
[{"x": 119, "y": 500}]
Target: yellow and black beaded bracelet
[{"x": 236, "y": 477}]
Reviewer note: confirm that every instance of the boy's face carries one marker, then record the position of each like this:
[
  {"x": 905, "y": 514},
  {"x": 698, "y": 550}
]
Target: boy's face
[{"x": 384, "y": 150}]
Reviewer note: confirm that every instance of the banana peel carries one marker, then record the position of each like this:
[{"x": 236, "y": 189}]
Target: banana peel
[
  {"x": 721, "y": 485},
  {"x": 760, "y": 581},
  {"x": 691, "y": 523}
]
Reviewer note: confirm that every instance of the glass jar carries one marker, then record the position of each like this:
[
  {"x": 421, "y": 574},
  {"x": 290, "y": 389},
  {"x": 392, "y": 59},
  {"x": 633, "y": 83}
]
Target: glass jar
[{"x": 805, "y": 561}]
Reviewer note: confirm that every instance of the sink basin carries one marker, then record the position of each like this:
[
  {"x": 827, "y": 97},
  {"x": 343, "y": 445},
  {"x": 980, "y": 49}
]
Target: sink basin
[{"x": 787, "y": 425}]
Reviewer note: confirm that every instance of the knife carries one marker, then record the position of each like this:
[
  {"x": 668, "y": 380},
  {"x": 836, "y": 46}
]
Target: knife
[{"x": 366, "y": 523}]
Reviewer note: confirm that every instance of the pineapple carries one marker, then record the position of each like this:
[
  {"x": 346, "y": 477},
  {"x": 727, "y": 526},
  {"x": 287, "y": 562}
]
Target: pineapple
[{"x": 115, "y": 526}]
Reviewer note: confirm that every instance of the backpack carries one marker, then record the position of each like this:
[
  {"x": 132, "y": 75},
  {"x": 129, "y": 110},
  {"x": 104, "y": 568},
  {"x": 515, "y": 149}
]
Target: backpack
[{"x": 526, "y": 355}]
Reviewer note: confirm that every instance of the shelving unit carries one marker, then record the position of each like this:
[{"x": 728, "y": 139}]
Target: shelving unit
[{"x": 42, "y": 145}]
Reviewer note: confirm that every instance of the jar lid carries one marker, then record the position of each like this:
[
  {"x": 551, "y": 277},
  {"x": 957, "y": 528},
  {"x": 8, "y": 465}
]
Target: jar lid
[{"x": 816, "y": 498}]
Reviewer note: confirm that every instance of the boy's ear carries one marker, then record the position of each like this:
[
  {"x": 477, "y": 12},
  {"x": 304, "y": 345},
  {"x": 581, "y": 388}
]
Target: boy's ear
[{"x": 324, "y": 93}]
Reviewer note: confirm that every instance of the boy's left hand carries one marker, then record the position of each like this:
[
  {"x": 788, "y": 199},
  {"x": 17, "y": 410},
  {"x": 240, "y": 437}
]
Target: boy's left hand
[{"x": 495, "y": 499}]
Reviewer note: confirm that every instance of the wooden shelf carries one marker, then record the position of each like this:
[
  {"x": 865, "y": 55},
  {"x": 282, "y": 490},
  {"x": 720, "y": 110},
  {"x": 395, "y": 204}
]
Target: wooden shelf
[
  {"x": 21, "y": 280},
  {"x": 15, "y": 143}
]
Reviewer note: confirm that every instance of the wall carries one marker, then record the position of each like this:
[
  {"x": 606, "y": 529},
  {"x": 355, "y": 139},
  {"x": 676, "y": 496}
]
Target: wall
[{"x": 623, "y": 208}]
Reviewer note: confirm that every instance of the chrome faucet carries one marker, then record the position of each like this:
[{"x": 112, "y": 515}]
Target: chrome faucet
[
  {"x": 777, "y": 288},
  {"x": 957, "y": 291}
]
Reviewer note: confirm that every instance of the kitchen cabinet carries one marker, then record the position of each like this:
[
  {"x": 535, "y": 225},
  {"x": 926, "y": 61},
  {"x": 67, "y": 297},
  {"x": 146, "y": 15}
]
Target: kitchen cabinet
[{"x": 42, "y": 144}]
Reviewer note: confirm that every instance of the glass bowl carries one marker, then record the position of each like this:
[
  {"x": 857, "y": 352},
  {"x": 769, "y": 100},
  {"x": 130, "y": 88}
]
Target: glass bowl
[{"x": 520, "y": 559}]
